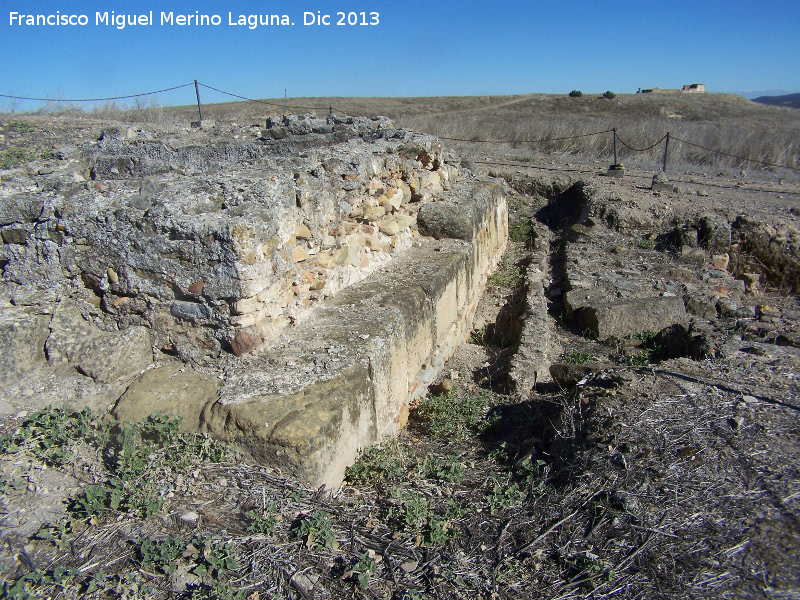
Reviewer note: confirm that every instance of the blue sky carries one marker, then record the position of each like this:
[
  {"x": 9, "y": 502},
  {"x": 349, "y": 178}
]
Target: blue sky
[{"x": 417, "y": 49}]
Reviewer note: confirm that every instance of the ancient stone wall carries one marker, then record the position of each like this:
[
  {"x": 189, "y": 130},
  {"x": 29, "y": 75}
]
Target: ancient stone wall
[{"x": 293, "y": 294}]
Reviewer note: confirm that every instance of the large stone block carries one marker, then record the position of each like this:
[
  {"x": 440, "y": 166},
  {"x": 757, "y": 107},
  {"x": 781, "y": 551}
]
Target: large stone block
[
  {"x": 174, "y": 390},
  {"x": 621, "y": 319}
]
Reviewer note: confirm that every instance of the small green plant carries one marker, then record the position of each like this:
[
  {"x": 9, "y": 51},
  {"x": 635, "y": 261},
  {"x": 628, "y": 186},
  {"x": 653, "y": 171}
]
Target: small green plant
[
  {"x": 446, "y": 417},
  {"x": 60, "y": 534},
  {"x": 21, "y": 126},
  {"x": 644, "y": 243},
  {"x": 212, "y": 558},
  {"x": 50, "y": 433},
  {"x": 14, "y": 157},
  {"x": 262, "y": 521},
  {"x": 162, "y": 554},
  {"x": 43, "y": 584},
  {"x": 378, "y": 463},
  {"x": 521, "y": 232},
  {"x": 316, "y": 529},
  {"x": 9, "y": 483},
  {"x": 507, "y": 275},
  {"x": 575, "y": 94},
  {"x": 364, "y": 568},
  {"x": 610, "y": 95},
  {"x": 414, "y": 514},
  {"x": 504, "y": 493},
  {"x": 448, "y": 469},
  {"x": 575, "y": 357},
  {"x": 136, "y": 448},
  {"x": 208, "y": 558},
  {"x": 650, "y": 351}
]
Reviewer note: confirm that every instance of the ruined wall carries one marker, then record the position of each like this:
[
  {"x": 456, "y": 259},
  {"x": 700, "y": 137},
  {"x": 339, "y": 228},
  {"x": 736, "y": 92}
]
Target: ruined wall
[{"x": 218, "y": 247}]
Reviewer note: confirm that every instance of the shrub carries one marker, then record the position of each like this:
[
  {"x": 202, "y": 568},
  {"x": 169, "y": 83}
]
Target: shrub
[
  {"x": 610, "y": 95},
  {"x": 575, "y": 94}
]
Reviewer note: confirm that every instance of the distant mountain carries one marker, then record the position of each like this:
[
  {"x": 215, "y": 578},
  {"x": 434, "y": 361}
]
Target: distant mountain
[
  {"x": 751, "y": 94},
  {"x": 790, "y": 100}
]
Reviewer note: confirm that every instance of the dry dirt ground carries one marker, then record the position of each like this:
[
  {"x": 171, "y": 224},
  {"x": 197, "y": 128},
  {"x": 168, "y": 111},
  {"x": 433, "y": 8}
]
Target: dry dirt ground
[{"x": 653, "y": 477}]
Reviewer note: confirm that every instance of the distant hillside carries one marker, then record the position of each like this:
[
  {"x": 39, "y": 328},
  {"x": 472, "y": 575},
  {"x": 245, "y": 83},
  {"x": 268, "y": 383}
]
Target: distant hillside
[{"x": 790, "y": 100}]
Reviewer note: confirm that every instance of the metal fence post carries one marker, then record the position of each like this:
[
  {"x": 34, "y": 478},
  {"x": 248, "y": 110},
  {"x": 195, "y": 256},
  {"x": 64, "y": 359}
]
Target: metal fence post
[
  {"x": 615, "y": 145},
  {"x": 199, "y": 108},
  {"x": 666, "y": 151}
]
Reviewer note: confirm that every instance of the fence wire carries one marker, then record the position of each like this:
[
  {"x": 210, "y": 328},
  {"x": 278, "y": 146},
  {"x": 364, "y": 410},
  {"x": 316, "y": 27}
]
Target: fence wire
[
  {"x": 177, "y": 87},
  {"x": 620, "y": 140},
  {"x": 274, "y": 103}
]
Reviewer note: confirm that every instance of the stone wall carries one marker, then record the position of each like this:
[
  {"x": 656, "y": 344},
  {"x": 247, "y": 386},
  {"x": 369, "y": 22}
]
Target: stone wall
[
  {"x": 206, "y": 243},
  {"x": 292, "y": 294}
]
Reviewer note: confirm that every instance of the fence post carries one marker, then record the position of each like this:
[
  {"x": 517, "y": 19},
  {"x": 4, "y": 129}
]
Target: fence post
[
  {"x": 330, "y": 111},
  {"x": 199, "y": 108},
  {"x": 285, "y": 110},
  {"x": 615, "y": 145},
  {"x": 666, "y": 150}
]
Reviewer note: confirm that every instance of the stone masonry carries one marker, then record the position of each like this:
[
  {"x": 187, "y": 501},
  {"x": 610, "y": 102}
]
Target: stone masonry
[{"x": 292, "y": 293}]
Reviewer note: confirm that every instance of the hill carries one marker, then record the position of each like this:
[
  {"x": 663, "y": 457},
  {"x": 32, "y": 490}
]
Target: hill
[
  {"x": 726, "y": 122},
  {"x": 790, "y": 100}
]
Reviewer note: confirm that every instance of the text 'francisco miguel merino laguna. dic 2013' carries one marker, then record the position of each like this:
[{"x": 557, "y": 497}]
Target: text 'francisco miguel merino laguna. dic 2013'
[{"x": 111, "y": 19}]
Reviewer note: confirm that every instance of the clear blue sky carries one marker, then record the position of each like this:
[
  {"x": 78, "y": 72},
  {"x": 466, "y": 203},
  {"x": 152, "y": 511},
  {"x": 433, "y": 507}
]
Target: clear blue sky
[{"x": 418, "y": 48}]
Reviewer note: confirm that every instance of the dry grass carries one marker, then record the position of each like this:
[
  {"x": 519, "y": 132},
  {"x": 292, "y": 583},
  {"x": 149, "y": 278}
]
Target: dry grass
[{"x": 725, "y": 122}]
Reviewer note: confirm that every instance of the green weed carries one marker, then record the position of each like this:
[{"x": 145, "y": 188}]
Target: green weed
[
  {"x": 138, "y": 457},
  {"x": 364, "y": 568},
  {"x": 521, "y": 232},
  {"x": 575, "y": 357},
  {"x": 378, "y": 463},
  {"x": 507, "y": 275},
  {"x": 643, "y": 243},
  {"x": 447, "y": 417},
  {"x": 50, "y": 434},
  {"x": 448, "y": 469},
  {"x": 316, "y": 529},
  {"x": 415, "y": 515},
  {"x": 13, "y": 157},
  {"x": 262, "y": 521},
  {"x": 21, "y": 126}
]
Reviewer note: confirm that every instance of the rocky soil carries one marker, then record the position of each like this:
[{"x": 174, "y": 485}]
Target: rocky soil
[{"x": 624, "y": 422}]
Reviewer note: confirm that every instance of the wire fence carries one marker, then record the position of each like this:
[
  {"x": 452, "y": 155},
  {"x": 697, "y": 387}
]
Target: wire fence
[{"x": 285, "y": 106}]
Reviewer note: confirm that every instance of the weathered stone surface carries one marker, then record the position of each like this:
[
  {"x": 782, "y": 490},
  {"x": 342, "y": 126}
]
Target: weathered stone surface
[
  {"x": 201, "y": 247},
  {"x": 530, "y": 364},
  {"x": 106, "y": 357},
  {"x": 461, "y": 215},
  {"x": 23, "y": 332},
  {"x": 446, "y": 220},
  {"x": 701, "y": 305},
  {"x": 174, "y": 390},
  {"x": 768, "y": 246},
  {"x": 20, "y": 208},
  {"x": 715, "y": 233},
  {"x": 625, "y": 318},
  {"x": 190, "y": 311}
]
